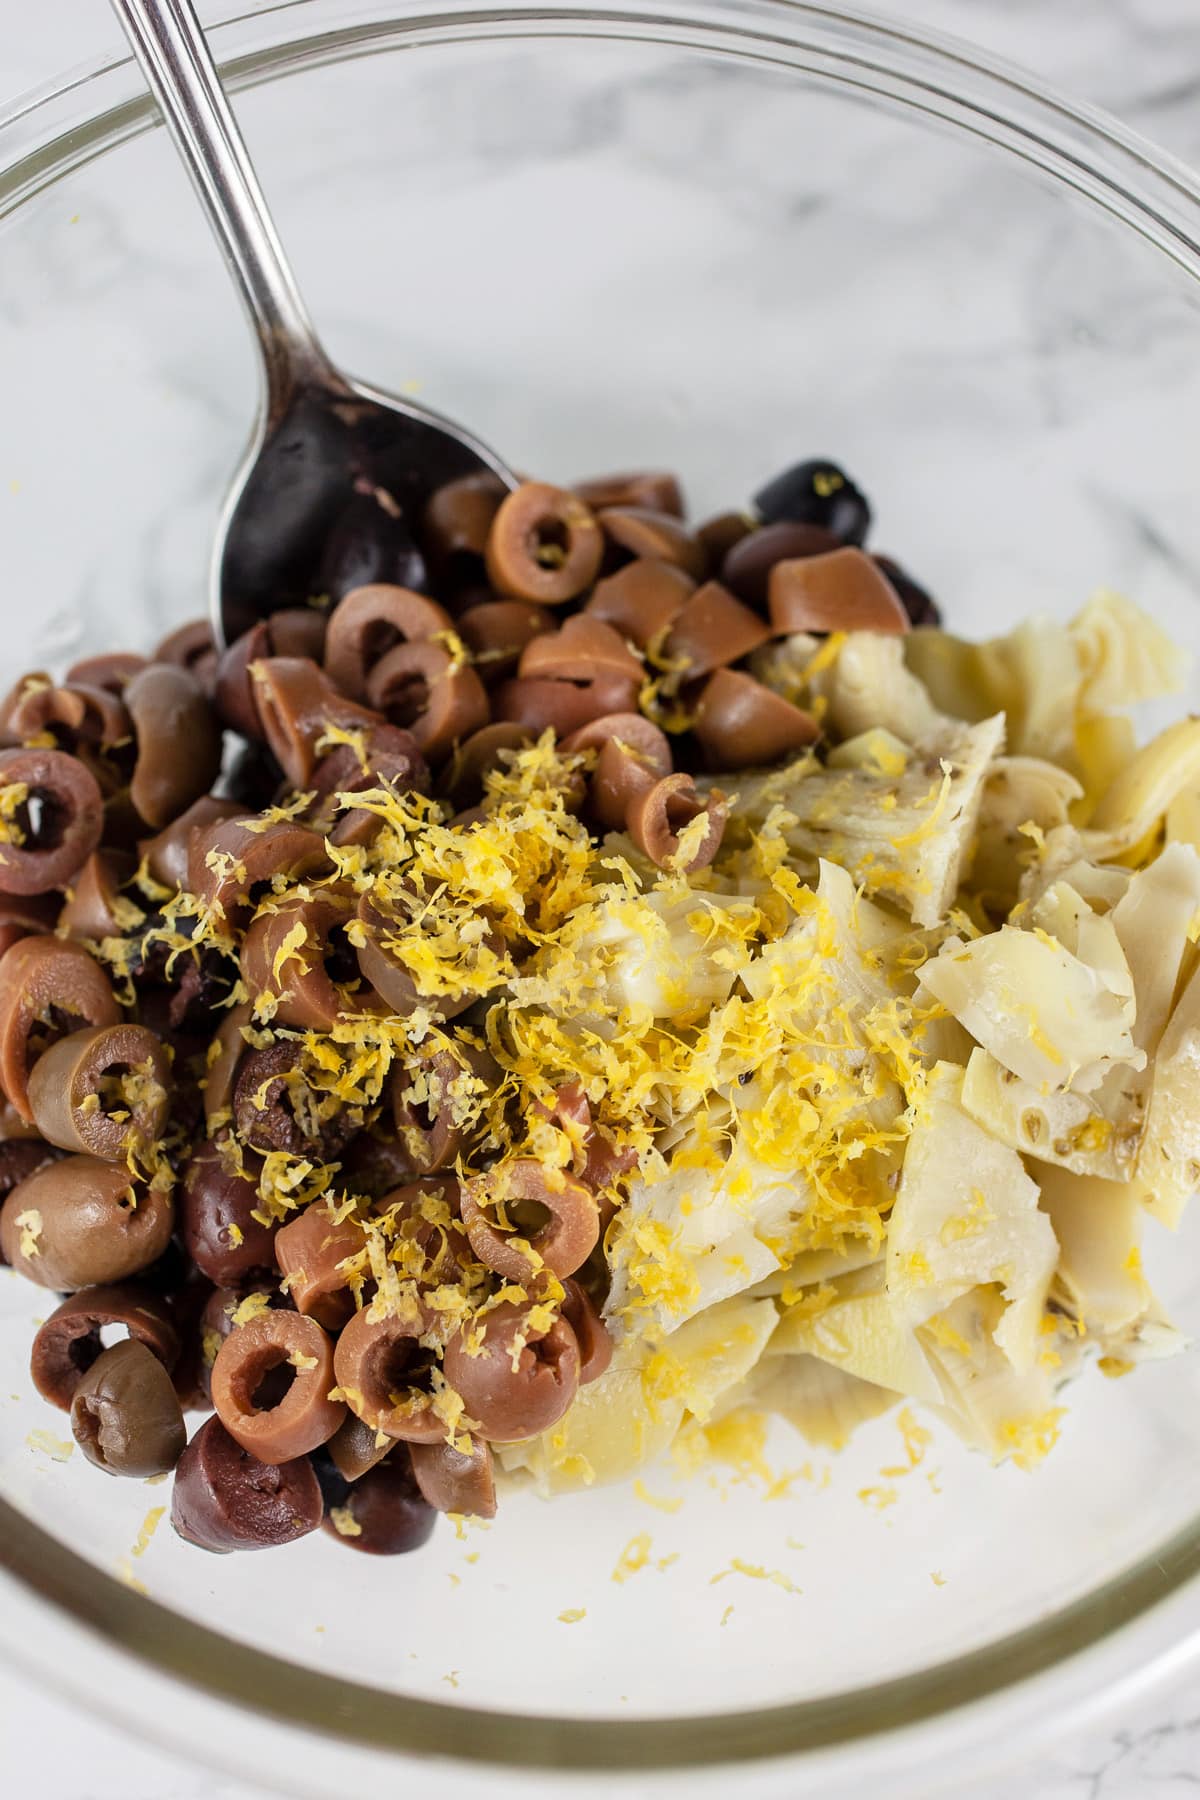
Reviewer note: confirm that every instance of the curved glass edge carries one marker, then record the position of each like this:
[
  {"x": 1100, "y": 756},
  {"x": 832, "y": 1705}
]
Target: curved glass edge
[
  {"x": 369, "y": 1717},
  {"x": 1099, "y": 158},
  {"x": 1083, "y": 146}
]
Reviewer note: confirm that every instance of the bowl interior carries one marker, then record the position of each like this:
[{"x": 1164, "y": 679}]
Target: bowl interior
[{"x": 610, "y": 253}]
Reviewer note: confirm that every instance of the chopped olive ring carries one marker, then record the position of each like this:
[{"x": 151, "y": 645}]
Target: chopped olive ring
[
  {"x": 226, "y": 1498},
  {"x": 125, "y": 1416},
  {"x": 303, "y": 1416},
  {"x": 98, "y": 1091},
  {"x": 69, "y": 1341}
]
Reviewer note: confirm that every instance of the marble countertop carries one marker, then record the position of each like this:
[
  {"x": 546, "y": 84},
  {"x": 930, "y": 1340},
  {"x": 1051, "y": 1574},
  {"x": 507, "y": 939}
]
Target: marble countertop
[{"x": 1141, "y": 60}]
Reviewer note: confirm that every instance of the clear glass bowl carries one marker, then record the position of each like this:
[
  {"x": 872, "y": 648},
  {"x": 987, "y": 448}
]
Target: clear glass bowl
[{"x": 714, "y": 236}]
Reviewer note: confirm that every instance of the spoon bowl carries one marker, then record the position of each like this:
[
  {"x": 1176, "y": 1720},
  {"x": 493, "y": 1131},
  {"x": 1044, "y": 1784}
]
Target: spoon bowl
[
  {"x": 334, "y": 483},
  {"x": 329, "y": 497}
]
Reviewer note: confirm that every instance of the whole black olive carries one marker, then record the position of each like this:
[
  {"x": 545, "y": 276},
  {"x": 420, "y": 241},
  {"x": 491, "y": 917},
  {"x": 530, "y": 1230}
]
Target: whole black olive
[
  {"x": 384, "y": 1512},
  {"x": 816, "y": 493},
  {"x": 920, "y": 606}
]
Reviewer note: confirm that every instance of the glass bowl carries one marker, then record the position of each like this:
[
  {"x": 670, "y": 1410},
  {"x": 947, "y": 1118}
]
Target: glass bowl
[{"x": 714, "y": 236}]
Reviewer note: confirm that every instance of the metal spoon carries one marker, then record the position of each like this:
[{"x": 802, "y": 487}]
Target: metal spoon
[{"x": 321, "y": 442}]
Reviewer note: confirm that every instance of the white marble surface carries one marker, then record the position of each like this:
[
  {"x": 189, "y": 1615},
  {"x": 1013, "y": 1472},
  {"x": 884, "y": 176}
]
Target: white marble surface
[{"x": 1141, "y": 59}]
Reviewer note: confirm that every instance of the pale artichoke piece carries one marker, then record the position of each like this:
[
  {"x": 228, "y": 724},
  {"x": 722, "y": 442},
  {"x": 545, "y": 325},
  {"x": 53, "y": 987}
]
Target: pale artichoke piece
[
  {"x": 861, "y": 684},
  {"x": 691, "y": 1236},
  {"x": 1099, "y": 1136},
  {"x": 875, "y": 752},
  {"x": 630, "y": 1415},
  {"x": 612, "y": 1427},
  {"x": 705, "y": 1201},
  {"x": 1020, "y": 792},
  {"x": 729, "y": 1267},
  {"x": 731, "y": 1203},
  {"x": 985, "y": 1399},
  {"x": 869, "y": 685},
  {"x": 1043, "y": 666},
  {"x": 1168, "y": 1165},
  {"x": 966, "y": 1215},
  {"x": 1124, "y": 655},
  {"x": 813, "y": 1266},
  {"x": 943, "y": 1039},
  {"x": 1032, "y": 676},
  {"x": 711, "y": 1353},
  {"x": 1104, "y": 744},
  {"x": 660, "y": 953},
  {"x": 1151, "y": 1338},
  {"x": 1027, "y": 790},
  {"x": 1092, "y": 937},
  {"x": 825, "y": 1404},
  {"x": 1098, "y": 1225},
  {"x": 1153, "y": 920},
  {"x": 903, "y": 837},
  {"x": 1143, "y": 792},
  {"x": 1065, "y": 1345},
  {"x": 1183, "y": 818},
  {"x": 1062, "y": 858},
  {"x": 856, "y": 1328},
  {"x": 695, "y": 1281},
  {"x": 1047, "y": 678},
  {"x": 1060, "y": 1128},
  {"x": 1043, "y": 1013},
  {"x": 849, "y": 941},
  {"x": 787, "y": 665}
]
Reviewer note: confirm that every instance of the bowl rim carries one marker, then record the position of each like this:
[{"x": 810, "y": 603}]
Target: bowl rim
[
  {"x": 54, "y": 129},
  {"x": 1092, "y": 151}
]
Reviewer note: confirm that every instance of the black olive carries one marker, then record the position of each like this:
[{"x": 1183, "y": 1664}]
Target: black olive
[
  {"x": 170, "y": 1273},
  {"x": 151, "y": 953},
  {"x": 335, "y": 1489},
  {"x": 816, "y": 493},
  {"x": 177, "y": 992},
  {"x": 388, "y": 1509},
  {"x": 920, "y": 606}
]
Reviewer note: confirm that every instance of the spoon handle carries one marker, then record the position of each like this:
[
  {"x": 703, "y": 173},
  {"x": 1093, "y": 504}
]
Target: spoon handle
[{"x": 170, "y": 46}]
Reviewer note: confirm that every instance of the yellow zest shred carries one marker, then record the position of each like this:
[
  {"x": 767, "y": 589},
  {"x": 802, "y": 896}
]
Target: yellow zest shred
[
  {"x": 661, "y": 1502},
  {"x": 57, "y": 1449},
  {"x": 13, "y": 797},
  {"x": 755, "y": 1572},
  {"x": 126, "y": 1575},
  {"x": 252, "y": 1307},
  {"x": 147, "y": 1530},
  {"x": 1029, "y": 1440},
  {"x": 29, "y": 1225},
  {"x": 633, "y": 1557}
]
